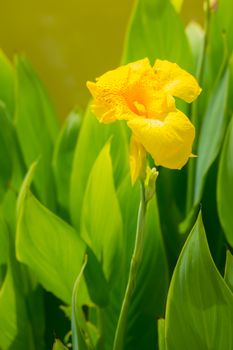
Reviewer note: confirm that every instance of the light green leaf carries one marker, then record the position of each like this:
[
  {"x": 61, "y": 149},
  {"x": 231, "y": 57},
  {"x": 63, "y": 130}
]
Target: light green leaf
[
  {"x": 103, "y": 232},
  {"x": 6, "y": 140},
  {"x": 229, "y": 270},
  {"x": 58, "y": 345},
  {"x": 156, "y": 31},
  {"x": 7, "y": 84},
  {"x": 63, "y": 157},
  {"x": 195, "y": 34},
  {"x": 4, "y": 239},
  {"x": 211, "y": 134},
  {"x": 161, "y": 334},
  {"x": 93, "y": 136},
  {"x": 225, "y": 185},
  {"x": 200, "y": 305},
  {"x": 36, "y": 126},
  {"x": 51, "y": 248}
]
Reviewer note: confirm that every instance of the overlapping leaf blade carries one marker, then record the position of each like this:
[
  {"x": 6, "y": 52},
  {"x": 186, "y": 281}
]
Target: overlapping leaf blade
[
  {"x": 35, "y": 114},
  {"x": 51, "y": 248},
  {"x": 92, "y": 138}
]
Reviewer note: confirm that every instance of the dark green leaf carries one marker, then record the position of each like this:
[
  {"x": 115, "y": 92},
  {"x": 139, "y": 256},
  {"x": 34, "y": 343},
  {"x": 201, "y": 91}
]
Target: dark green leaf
[
  {"x": 225, "y": 185},
  {"x": 211, "y": 135}
]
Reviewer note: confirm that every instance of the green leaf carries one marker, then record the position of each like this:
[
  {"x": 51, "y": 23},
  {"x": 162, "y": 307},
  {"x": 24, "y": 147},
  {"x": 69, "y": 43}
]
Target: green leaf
[
  {"x": 195, "y": 34},
  {"x": 156, "y": 31},
  {"x": 200, "y": 305},
  {"x": 161, "y": 334},
  {"x": 6, "y": 141},
  {"x": 225, "y": 185},
  {"x": 103, "y": 232},
  {"x": 4, "y": 246},
  {"x": 229, "y": 270},
  {"x": 148, "y": 301},
  {"x": 58, "y": 345},
  {"x": 36, "y": 126},
  {"x": 93, "y": 136},
  {"x": 214, "y": 124},
  {"x": 63, "y": 157},
  {"x": 51, "y": 248},
  {"x": 7, "y": 84}
]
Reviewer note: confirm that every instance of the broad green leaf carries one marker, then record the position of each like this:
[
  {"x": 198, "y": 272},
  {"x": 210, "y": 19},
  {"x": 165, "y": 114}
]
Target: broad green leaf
[
  {"x": 58, "y": 345},
  {"x": 161, "y": 334},
  {"x": 229, "y": 270},
  {"x": 20, "y": 326},
  {"x": 101, "y": 224},
  {"x": 214, "y": 124},
  {"x": 36, "y": 126},
  {"x": 156, "y": 31},
  {"x": 51, "y": 248},
  {"x": 200, "y": 305},
  {"x": 225, "y": 185},
  {"x": 63, "y": 157},
  {"x": 148, "y": 300},
  {"x": 93, "y": 136},
  {"x": 7, "y": 84}
]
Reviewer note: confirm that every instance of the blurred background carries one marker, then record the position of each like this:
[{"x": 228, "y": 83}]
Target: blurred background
[{"x": 72, "y": 41}]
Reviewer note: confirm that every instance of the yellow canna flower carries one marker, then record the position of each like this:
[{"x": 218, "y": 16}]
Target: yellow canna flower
[{"x": 144, "y": 96}]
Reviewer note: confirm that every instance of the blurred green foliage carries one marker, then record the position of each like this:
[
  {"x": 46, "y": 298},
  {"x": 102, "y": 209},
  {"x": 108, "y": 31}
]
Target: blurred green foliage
[{"x": 68, "y": 212}]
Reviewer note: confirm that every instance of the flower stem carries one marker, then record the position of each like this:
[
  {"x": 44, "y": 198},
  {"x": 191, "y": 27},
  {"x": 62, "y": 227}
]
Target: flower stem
[{"x": 134, "y": 265}]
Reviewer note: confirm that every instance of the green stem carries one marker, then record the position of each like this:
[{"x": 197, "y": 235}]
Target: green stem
[{"x": 134, "y": 265}]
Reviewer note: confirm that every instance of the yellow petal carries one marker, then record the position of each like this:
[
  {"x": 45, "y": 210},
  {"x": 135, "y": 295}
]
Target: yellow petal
[
  {"x": 137, "y": 158},
  {"x": 169, "y": 142},
  {"x": 113, "y": 91},
  {"x": 176, "y": 81}
]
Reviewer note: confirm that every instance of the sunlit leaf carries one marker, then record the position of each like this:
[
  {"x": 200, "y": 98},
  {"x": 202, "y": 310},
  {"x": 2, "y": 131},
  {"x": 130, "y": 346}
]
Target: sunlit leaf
[
  {"x": 63, "y": 157},
  {"x": 7, "y": 84},
  {"x": 58, "y": 345},
  {"x": 103, "y": 232},
  {"x": 92, "y": 138},
  {"x": 51, "y": 248},
  {"x": 156, "y": 31},
  {"x": 200, "y": 305},
  {"x": 36, "y": 125}
]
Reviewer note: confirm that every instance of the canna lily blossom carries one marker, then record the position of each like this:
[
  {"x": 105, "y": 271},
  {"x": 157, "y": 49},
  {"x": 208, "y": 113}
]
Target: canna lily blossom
[{"x": 144, "y": 96}]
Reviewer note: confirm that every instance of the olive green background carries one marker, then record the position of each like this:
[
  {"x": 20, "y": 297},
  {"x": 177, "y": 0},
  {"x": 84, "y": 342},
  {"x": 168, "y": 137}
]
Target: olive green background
[{"x": 72, "y": 41}]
